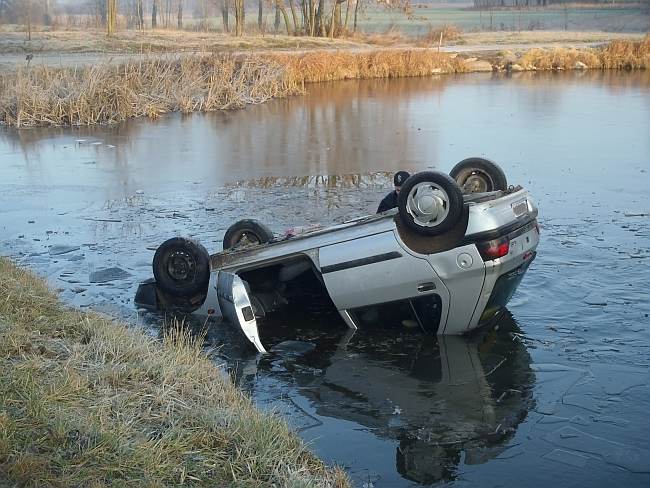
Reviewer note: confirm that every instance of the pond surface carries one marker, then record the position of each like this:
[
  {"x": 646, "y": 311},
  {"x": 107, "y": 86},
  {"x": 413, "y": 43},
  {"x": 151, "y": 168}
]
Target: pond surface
[{"x": 558, "y": 393}]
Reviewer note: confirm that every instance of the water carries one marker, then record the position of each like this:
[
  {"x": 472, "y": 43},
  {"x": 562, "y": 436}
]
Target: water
[{"x": 558, "y": 394}]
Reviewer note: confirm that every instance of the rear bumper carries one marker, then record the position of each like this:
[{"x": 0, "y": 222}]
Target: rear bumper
[
  {"x": 503, "y": 290},
  {"x": 503, "y": 275}
]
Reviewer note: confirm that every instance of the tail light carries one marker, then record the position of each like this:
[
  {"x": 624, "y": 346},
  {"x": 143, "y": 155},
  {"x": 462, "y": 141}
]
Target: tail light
[{"x": 494, "y": 249}]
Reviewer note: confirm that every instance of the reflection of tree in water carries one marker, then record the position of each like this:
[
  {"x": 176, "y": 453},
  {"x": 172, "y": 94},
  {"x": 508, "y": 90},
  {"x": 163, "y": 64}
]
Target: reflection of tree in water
[
  {"x": 340, "y": 128},
  {"x": 443, "y": 399},
  {"x": 337, "y": 128},
  {"x": 378, "y": 179}
]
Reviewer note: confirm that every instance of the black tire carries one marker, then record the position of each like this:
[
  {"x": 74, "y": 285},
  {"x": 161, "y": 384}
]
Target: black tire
[
  {"x": 478, "y": 175},
  {"x": 182, "y": 267},
  {"x": 253, "y": 231},
  {"x": 454, "y": 202}
]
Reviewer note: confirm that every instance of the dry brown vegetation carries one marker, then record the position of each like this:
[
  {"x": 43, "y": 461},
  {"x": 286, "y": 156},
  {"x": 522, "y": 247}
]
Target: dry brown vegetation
[
  {"x": 110, "y": 93},
  {"x": 617, "y": 54},
  {"x": 441, "y": 35},
  {"x": 85, "y": 401},
  {"x": 311, "y": 67},
  {"x": 157, "y": 41}
]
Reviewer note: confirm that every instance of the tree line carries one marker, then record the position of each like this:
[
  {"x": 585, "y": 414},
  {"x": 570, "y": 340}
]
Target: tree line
[
  {"x": 482, "y": 4},
  {"x": 297, "y": 17}
]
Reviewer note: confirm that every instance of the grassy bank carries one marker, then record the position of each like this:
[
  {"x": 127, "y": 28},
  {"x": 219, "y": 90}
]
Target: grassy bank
[
  {"x": 110, "y": 93},
  {"x": 87, "y": 402}
]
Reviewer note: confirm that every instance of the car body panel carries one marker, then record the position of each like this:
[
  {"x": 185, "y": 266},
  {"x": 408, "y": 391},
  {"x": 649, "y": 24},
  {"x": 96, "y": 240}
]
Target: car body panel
[{"x": 375, "y": 270}]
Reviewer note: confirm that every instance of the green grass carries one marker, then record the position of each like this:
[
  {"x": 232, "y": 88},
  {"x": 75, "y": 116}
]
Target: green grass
[
  {"x": 88, "y": 402},
  {"x": 584, "y": 19}
]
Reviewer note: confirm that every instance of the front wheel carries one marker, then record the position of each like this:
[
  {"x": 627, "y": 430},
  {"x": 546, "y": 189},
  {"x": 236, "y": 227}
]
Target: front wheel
[
  {"x": 479, "y": 175},
  {"x": 430, "y": 203}
]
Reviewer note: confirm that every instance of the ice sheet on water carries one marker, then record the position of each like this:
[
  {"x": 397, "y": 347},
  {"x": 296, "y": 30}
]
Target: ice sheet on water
[
  {"x": 631, "y": 458},
  {"x": 615, "y": 380},
  {"x": 567, "y": 457},
  {"x": 552, "y": 367},
  {"x": 583, "y": 401}
]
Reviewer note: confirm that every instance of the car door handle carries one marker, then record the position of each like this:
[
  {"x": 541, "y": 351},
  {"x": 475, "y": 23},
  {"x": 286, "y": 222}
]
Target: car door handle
[{"x": 423, "y": 287}]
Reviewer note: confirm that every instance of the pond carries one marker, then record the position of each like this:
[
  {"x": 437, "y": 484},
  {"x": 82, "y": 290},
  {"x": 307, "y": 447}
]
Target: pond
[{"x": 560, "y": 387}]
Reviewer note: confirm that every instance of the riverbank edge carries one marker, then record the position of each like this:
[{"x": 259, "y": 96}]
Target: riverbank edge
[
  {"x": 111, "y": 93},
  {"x": 86, "y": 401}
]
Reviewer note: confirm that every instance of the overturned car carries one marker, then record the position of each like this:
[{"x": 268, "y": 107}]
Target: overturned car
[{"x": 447, "y": 260}]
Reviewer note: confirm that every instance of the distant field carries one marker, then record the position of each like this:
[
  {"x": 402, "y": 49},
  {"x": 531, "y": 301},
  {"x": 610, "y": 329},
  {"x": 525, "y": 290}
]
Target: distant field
[{"x": 591, "y": 19}]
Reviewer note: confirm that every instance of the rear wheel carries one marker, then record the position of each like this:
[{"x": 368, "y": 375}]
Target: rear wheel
[
  {"x": 246, "y": 233},
  {"x": 182, "y": 267},
  {"x": 430, "y": 203},
  {"x": 479, "y": 175}
]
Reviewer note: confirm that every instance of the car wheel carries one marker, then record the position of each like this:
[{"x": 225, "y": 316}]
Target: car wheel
[
  {"x": 430, "y": 203},
  {"x": 181, "y": 267},
  {"x": 479, "y": 175},
  {"x": 246, "y": 233}
]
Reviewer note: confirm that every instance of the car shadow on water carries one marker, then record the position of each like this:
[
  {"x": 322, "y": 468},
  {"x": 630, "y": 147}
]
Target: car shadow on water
[{"x": 436, "y": 402}]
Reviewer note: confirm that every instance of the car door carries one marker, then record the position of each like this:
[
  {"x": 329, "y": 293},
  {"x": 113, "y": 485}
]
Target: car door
[
  {"x": 376, "y": 269},
  {"x": 236, "y": 306}
]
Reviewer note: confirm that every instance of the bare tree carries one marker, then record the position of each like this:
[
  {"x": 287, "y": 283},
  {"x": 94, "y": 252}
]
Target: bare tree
[
  {"x": 47, "y": 17},
  {"x": 154, "y": 14},
  {"x": 357, "y": 6},
  {"x": 240, "y": 17},
  {"x": 29, "y": 20},
  {"x": 225, "y": 8},
  {"x": 279, "y": 4},
  {"x": 111, "y": 16},
  {"x": 139, "y": 14},
  {"x": 179, "y": 15},
  {"x": 294, "y": 18}
]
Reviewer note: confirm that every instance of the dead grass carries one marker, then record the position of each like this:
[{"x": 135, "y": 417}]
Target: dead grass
[
  {"x": 440, "y": 35},
  {"x": 312, "y": 67},
  {"x": 539, "y": 37},
  {"x": 618, "y": 54},
  {"x": 626, "y": 55},
  {"x": 88, "y": 402},
  {"x": 110, "y": 93},
  {"x": 156, "y": 41}
]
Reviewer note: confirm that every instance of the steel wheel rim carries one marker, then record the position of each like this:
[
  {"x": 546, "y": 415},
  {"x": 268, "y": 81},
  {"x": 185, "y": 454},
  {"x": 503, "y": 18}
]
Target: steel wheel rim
[
  {"x": 477, "y": 182},
  {"x": 181, "y": 266},
  {"x": 428, "y": 204}
]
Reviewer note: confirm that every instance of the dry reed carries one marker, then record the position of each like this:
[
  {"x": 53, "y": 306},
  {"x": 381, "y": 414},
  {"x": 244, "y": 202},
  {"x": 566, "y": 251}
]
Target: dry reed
[
  {"x": 618, "y": 54},
  {"x": 85, "y": 401},
  {"x": 317, "y": 66},
  {"x": 111, "y": 93},
  {"x": 440, "y": 35}
]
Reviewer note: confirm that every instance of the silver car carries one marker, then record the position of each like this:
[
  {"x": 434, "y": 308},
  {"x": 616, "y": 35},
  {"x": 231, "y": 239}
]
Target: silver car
[{"x": 446, "y": 261}]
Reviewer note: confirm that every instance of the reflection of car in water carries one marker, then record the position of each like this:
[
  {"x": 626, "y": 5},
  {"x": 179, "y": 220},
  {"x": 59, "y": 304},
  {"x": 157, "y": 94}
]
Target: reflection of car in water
[
  {"x": 447, "y": 261},
  {"x": 440, "y": 399}
]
